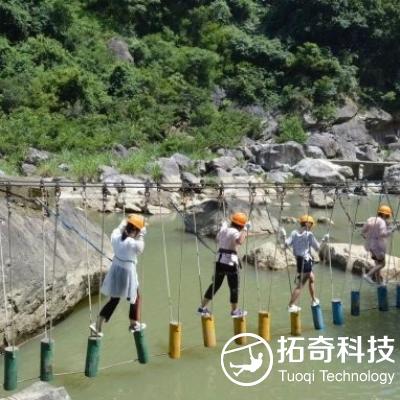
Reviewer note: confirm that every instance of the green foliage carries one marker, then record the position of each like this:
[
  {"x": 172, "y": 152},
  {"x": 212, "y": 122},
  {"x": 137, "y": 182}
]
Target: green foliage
[{"x": 291, "y": 129}]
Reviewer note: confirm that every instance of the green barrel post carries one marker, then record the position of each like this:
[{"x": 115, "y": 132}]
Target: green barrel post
[
  {"x": 10, "y": 368},
  {"x": 141, "y": 347},
  {"x": 92, "y": 356},
  {"x": 46, "y": 359}
]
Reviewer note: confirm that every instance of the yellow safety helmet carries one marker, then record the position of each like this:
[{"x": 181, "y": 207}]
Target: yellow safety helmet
[
  {"x": 136, "y": 220},
  {"x": 239, "y": 218},
  {"x": 306, "y": 219},
  {"x": 385, "y": 210}
]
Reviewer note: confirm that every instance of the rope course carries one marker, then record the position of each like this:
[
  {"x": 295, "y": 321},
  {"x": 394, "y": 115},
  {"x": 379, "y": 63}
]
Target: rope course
[{"x": 187, "y": 196}]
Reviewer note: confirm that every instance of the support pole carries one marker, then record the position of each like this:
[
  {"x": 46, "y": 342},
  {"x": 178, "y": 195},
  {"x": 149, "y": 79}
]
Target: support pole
[
  {"x": 175, "y": 339},
  {"x": 10, "y": 368},
  {"x": 295, "y": 324},
  {"x": 141, "y": 347},
  {"x": 208, "y": 325},
  {"x": 337, "y": 312},
  {"x": 46, "y": 359},
  {"x": 264, "y": 325},
  {"x": 239, "y": 326},
  {"x": 383, "y": 303},
  {"x": 318, "y": 318},
  {"x": 355, "y": 303},
  {"x": 92, "y": 356}
]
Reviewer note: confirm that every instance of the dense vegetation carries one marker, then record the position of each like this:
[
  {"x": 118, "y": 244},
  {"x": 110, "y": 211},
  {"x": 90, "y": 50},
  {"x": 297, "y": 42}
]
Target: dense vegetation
[{"x": 198, "y": 66}]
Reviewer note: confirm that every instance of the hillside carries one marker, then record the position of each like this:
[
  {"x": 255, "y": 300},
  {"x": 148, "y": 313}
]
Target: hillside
[{"x": 78, "y": 78}]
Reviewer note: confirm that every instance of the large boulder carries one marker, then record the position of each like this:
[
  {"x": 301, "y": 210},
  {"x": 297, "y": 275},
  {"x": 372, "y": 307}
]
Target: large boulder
[
  {"x": 326, "y": 142},
  {"x": 319, "y": 199},
  {"x": 226, "y": 163},
  {"x": 273, "y": 156},
  {"x": 40, "y": 391},
  {"x": 346, "y": 112},
  {"x": 35, "y": 156},
  {"x": 391, "y": 178},
  {"x": 170, "y": 172},
  {"x": 318, "y": 171},
  {"x": 209, "y": 215},
  {"x": 394, "y": 156},
  {"x": 120, "y": 50},
  {"x": 26, "y": 296},
  {"x": 183, "y": 161}
]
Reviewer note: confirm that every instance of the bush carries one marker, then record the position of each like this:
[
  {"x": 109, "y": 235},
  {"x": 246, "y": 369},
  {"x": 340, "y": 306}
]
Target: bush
[{"x": 291, "y": 129}]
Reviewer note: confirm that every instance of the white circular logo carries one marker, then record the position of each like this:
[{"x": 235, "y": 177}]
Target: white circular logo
[{"x": 252, "y": 364}]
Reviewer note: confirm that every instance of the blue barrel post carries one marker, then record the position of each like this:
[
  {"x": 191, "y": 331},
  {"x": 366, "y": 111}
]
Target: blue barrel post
[
  {"x": 355, "y": 303},
  {"x": 10, "y": 368},
  {"x": 317, "y": 317},
  {"x": 383, "y": 303},
  {"x": 337, "y": 312},
  {"x": 398, "y": 296}
]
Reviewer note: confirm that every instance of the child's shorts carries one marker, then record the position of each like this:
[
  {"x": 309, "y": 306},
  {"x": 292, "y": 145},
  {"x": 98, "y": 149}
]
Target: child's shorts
[{"x": 304, "y": 266}]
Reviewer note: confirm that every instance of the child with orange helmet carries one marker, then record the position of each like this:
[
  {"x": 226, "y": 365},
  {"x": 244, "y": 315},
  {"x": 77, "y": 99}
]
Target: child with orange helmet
[
  {"x": 301, "y": 241},
  {"x": 229, "y": 238},
  {"x": 121, "y": 280},
  {"x": 375, "y": 231}
]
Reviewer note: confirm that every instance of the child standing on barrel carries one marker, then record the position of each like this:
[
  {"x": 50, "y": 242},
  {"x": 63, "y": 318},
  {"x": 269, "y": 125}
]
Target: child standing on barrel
[
  {"x": 301, "y": 241},
  {"x": 227, "y": 263},
  {"x": 375, "y": 231},
  {"x": 121, "y": 280}
]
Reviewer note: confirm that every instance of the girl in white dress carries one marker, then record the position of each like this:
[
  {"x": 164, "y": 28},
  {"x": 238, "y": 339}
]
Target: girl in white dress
[{"x": 121, "y": 280}]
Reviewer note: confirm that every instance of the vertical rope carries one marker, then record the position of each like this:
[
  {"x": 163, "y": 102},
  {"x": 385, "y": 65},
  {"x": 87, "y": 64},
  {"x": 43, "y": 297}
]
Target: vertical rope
[
  {"x": 181, "y": 256},
  {"x": 166, "y": 267},
  {"x": 328, "y": 242},
  {"x": 104, "y": 198},
  {"x": 197, "y": 255},
  {"x": 89, "y": 283},
  {"x": 10, "y": 261},
  {"x": 3, "y": 281},
  {"x": 44, "y": 258}
]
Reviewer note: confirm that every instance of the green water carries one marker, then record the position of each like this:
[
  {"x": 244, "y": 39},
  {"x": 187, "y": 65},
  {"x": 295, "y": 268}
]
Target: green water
[{"x": 198, "y": 374}]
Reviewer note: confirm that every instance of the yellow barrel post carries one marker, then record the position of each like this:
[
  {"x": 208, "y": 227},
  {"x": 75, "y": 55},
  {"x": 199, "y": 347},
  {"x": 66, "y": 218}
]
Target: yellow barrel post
[
  {"x": 239, "y": 326},
  {"x": 208, "y": 325},
  {"x": 295, "y": 324},
  {"x": 175, "y": 337},
  {"x": 264, "y": 325}
]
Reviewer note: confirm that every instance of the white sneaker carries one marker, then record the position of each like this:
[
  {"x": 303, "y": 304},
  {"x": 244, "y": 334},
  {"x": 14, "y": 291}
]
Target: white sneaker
[
  {"x": 139, "y": 326},
  {"x": 368, "y": 279},
  {"x": 315, "y": 302},
  {"x": 294, "y": 308},
  {"x": 94, "y": 331}
]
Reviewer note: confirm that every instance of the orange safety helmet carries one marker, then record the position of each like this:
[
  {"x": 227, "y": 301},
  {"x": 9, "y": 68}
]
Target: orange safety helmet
[
  {"x": 239, "y": 218},
  {"x": 136, "y": 220},
  {"x": 385, "y": 210},
  {"x": 306, "y": 219}
]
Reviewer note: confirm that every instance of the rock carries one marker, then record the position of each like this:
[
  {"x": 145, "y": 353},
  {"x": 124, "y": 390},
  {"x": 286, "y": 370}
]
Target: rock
[
  {"x": 360, "y": 259},
  {"x": 71, "y": 270},
  {"x": 375, "y": 116},
  {"x": 318, "y": 171},
  {"x": 289, "y": 220},
  {"x": 183, "y": 161},
  {"x": 319, "y": 199},
  {"x": 391, "y": 178},
  {"x": 326, "y": 142},
  {"x": 28, "y": 169},
  {"x": 35, "y": 156},
  {"x": 218, "y": 96},
  {"x": 270, "y": 256},
  {"x": 346, "y": 112},
  {"x": 394, "y": 156},
  {"x": 106, "y": 171},
  {"x": 40, "y": 391},
  {"x": 273, "y": 156},
  {"x": 237, "y": 171},
  {"x": 209, "y": 216},
  {"x": 234, "y": 153},
  {"x": 2, "y": 173},
  {"x": 325, "y": 220},
  {"x": 63, "y": 167},
  {"x": 226, "y": 163},
  {"x": 309, "y": 120},
  {"x": 170, "y": 172},
  {"x": 314, "y": 152},
  {"x": 120, "y": 50},
  {"x": 394, "y": 146},
  {"x": 346, "y": 171},
  {"x": 200, "y": 166},
  {"x": 279, "y": 176},
  {"x": 190, "y": 179},
  {"x": 120, "y": 150}
]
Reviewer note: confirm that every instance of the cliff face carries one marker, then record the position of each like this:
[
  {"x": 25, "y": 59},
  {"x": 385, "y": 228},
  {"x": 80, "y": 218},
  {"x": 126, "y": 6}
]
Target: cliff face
[{"x": 24, "y": 285}]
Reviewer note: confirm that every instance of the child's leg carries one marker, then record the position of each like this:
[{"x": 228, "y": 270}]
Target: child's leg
[
  {"x": 134, "y": 310},
  {"x": 233, "y": 283},
  {"x": 297, "y": 290},
  {"x": 213, "y": 288},
  {"x": 311, "y": 285},
  {"x": 109, "y": 308}
]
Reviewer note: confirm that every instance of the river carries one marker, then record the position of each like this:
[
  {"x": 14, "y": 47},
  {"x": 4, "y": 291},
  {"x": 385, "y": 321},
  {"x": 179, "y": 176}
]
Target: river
[{"x": 198, "y": 374}]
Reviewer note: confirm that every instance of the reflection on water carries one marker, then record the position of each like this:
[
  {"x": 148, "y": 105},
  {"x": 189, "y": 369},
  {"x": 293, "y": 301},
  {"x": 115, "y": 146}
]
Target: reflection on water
[{"x": 197, "y": 375}]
